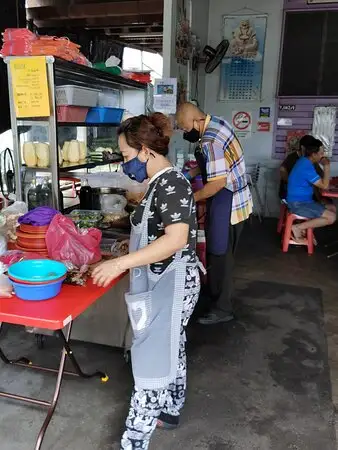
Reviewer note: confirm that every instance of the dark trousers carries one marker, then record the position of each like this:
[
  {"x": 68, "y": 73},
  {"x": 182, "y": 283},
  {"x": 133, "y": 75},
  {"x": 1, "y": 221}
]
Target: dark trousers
[{"x": 220, "y": 274}]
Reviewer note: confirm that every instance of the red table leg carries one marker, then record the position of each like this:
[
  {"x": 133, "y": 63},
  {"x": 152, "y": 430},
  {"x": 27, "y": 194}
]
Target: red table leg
[{"x": 23, "y": 362}]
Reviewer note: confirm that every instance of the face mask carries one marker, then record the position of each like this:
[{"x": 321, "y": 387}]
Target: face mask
[
  {"x": 135, "y": 169},
  {"x": 192, "y": 136}
]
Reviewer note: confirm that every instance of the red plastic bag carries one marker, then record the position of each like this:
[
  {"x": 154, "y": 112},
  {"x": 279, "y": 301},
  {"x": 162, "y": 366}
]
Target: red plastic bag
[{"x": 66, "y": 243}]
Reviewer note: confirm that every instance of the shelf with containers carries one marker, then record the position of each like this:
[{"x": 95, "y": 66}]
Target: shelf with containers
[{"x": 86, "y": 107}]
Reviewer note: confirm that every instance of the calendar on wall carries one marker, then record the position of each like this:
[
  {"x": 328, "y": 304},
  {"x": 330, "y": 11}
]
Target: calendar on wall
[{"x": 242, "y": 68}]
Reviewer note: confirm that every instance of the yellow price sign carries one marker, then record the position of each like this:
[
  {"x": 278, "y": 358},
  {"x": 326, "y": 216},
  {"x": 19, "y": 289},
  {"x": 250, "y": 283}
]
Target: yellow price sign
[{"x": 30, "y": 87}]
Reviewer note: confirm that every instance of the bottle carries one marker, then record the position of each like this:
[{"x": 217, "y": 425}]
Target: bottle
[
  {"x": 86, "y": 196},
  {"x": 32, "y": 197},
  {"x": 45, "y": 194}
]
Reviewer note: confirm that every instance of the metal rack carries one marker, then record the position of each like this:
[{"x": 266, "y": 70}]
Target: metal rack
[{"x": 133, "y": 97}]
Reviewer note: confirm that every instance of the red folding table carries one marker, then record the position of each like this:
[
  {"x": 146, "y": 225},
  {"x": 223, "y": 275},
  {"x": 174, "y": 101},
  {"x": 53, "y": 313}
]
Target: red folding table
[{"x": 55, "y": 315}]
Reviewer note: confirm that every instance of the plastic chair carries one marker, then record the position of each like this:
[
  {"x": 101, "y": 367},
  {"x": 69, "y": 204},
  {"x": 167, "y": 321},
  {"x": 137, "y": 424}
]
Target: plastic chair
[
  {"x": 287, "y": 237},
  {"x": 282, "y": 216},
  {"x": 253, "y": 179}
]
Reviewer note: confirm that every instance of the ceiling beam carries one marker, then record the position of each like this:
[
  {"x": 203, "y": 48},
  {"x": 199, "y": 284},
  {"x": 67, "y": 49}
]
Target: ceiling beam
[
  {"x": 112, "y": 9},
  {"x": 106, "y": 22}
]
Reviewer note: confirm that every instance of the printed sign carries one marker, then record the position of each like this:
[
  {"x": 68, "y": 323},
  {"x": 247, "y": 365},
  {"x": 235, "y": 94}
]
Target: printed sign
[
  {"x": 286, "y": 108},
  {"x": 165, "y": 95},
  {"x": 30, "y": 87},
  {"x": 242, "y": 122},
  {"x": 264, "y": 112},
  {"x": 283, "y": 122},
  {"x": 263, "y": 126}
]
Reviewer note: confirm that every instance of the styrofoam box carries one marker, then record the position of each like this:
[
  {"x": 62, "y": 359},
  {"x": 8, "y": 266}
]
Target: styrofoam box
[
  {"x": 76, "y": 96},
  {"x": 109, "y": 99}
]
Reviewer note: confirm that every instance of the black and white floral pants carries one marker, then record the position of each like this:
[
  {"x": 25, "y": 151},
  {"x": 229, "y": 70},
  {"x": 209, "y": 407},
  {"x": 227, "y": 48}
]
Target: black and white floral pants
[{"x": 147, "y": 405}]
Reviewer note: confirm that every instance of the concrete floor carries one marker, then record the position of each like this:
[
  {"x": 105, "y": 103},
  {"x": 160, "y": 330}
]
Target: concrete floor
[{"x": 90, "y": 415}]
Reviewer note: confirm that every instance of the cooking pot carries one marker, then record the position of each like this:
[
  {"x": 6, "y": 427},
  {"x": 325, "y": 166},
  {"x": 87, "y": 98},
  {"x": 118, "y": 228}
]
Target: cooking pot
[{"x": 109, "y": 199}]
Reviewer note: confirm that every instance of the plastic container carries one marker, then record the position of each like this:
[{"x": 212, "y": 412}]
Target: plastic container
[
  {"x": 40, "y": 252},
  {"x": 37, "y": 293},
  {"x": 71, "y": 113},
  {"x": 37, "y": 270},
  {"x": 76, "y": 96},
  {"x": 35, "y": 241},
  {"x": 35, "y": 283},
  {"x": 109, "y": 99},
  {"x": 32, "y": 229},
  {"x": 105, "y": 115},
  {"x": 85, "y": 218}
]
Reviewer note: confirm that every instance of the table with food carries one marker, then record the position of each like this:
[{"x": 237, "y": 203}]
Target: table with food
[{"x": 46, "y": 260}]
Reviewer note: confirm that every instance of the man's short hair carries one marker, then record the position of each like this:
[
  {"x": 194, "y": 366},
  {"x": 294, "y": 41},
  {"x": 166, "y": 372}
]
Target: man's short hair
[
  {"x": 307, "y": 141},
  {"x": 314, "y": 147}
]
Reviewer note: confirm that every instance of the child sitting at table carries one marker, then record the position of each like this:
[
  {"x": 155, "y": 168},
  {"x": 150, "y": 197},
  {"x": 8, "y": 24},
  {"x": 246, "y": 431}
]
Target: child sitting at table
[{"x": 301, "y": 183}]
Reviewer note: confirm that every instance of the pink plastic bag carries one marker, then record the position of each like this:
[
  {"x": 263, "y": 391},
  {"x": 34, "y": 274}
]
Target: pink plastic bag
[{"x": 66, "y": 243}]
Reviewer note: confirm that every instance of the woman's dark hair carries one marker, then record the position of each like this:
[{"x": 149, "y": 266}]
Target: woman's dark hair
[{"x": 151, "y": 131}]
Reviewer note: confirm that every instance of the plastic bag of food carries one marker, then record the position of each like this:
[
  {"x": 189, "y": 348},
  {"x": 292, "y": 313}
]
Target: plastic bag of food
[
  {"x": 6, "y": 288},
  {"x": 9, "y": 219},
  {"x": 66, "y": 243}
]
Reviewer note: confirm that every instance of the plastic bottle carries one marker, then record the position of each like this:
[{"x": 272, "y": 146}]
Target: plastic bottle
[
  {"x": 86, "y": 196},
  {"x": 32, "y": 196},
  {"x": 45, "y": 194}
]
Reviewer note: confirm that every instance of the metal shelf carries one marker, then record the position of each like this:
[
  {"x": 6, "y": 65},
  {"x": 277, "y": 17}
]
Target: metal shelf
[
  {"x": 70, "y": 167},
  {"x": 88, "y": 125},
  {"x": 71, "y": 73}
]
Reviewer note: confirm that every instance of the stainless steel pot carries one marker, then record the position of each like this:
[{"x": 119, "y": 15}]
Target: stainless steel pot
[{"x": 109, "y": 199}]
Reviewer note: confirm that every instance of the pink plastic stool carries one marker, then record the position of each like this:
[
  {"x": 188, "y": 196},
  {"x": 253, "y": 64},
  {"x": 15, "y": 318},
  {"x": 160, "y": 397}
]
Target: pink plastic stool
[
  {"x": 287, "y": 237},
  {"x": 282, "y": 217}
]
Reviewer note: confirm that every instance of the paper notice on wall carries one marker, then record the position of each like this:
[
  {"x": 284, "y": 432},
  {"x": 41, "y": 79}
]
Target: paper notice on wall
[
  {"x": 242, "y": 123},
  {"x": 30, "y": 87},
  {"x": 165, "y": 95}
]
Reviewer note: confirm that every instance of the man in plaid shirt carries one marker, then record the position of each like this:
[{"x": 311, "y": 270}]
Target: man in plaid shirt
[{"x": 229, "y": 203}]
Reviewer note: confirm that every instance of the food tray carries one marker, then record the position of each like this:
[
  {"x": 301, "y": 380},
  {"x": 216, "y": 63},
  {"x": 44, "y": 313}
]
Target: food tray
[
  {"x": 76, "y": 96},
  {"x": 105, "y": 115},
  {"x": 86, "y": 219},
  {"x": 71, "y": 113}
]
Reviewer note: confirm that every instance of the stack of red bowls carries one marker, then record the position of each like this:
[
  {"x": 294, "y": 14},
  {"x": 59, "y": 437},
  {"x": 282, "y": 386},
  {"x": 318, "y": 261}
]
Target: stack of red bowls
[{"x": 32, "y": 239}]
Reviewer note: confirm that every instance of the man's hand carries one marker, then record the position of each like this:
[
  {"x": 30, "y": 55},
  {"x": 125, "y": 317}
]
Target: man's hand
[{"x": 325, "y": 162}]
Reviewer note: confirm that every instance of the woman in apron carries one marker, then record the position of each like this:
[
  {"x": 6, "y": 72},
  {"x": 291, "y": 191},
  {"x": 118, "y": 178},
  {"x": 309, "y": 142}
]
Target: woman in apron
[{"x": 164, "y": 279}]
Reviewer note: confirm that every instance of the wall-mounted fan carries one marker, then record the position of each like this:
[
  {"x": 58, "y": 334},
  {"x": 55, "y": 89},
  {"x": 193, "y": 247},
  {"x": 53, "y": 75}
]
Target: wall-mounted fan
[{"x": 212, "y": 56}]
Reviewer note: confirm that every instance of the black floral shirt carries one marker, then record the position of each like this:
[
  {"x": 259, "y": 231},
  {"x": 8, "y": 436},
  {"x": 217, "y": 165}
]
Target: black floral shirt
[{"x": 173, "y": 202}]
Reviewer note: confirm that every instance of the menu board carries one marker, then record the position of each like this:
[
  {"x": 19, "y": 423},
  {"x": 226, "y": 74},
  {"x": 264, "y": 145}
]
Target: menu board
[{"x": 30, "y": 87}]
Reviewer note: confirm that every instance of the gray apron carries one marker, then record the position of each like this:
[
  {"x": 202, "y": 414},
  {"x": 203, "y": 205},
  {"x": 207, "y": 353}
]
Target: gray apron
[{"x": 155, "y": 305}]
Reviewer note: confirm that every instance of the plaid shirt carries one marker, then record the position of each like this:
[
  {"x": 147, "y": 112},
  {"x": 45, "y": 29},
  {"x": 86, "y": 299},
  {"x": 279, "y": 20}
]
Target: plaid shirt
[{"x": 224, "y": 156}]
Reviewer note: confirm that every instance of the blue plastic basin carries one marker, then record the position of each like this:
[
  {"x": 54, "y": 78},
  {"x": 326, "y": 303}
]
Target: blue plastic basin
[
  {"x": 38, "y": 270},
  {"x": 37, "y": 293}
]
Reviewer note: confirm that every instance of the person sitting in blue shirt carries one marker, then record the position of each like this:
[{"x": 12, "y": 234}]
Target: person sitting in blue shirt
[{"x": 301, "y": 182}]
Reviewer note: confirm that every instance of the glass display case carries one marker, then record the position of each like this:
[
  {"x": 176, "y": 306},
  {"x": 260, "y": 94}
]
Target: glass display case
[{"x": 48, "y": 149}]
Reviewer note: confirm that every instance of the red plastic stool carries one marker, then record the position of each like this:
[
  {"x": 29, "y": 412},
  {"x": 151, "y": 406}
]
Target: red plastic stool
[
  {"x": 287, "y": 237},
  {"x": 282, "y": 217}
]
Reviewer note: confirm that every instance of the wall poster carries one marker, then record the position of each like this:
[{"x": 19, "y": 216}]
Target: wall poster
[{"x": 242, "y": 68}]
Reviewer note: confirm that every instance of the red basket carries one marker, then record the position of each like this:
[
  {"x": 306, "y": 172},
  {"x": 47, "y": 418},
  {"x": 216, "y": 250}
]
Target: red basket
[{"x": 71, "y": 113}]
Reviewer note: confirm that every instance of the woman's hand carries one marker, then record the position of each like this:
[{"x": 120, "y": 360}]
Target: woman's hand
[{"x": 106, "y": 272}]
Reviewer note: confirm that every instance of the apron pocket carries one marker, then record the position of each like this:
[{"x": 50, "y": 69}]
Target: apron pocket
[{"x": 139, "y": 310}]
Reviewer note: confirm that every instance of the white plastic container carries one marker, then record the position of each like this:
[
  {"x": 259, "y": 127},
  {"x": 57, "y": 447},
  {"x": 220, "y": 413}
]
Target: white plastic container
[
  {"x": 76, "y": 96},
  {"x": 109, "y": 99}
]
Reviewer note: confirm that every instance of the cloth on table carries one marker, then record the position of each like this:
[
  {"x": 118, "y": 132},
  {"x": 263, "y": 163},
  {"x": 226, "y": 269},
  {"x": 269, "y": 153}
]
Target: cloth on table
[{"x": 43, "y": 215}]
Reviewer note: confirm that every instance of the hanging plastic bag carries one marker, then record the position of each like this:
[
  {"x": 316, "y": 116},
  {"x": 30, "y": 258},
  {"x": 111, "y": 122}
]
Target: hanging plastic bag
[
  {"x": 66, "y": 243},
  {"x": 9, "y": 219}
]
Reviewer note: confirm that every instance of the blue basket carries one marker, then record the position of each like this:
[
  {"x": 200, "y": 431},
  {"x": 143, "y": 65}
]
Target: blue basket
[
  {"x": 37, "y": 293},
  {"x": 37, "y": 270},
  {"x": 101, "y": 114}
]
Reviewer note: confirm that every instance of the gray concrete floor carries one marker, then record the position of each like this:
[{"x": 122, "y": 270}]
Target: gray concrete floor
[{"x": 90, "y": 416}]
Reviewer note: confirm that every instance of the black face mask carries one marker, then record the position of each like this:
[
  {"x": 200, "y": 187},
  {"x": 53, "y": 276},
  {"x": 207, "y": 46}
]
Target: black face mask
[{"x": 192, "y": 136}]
